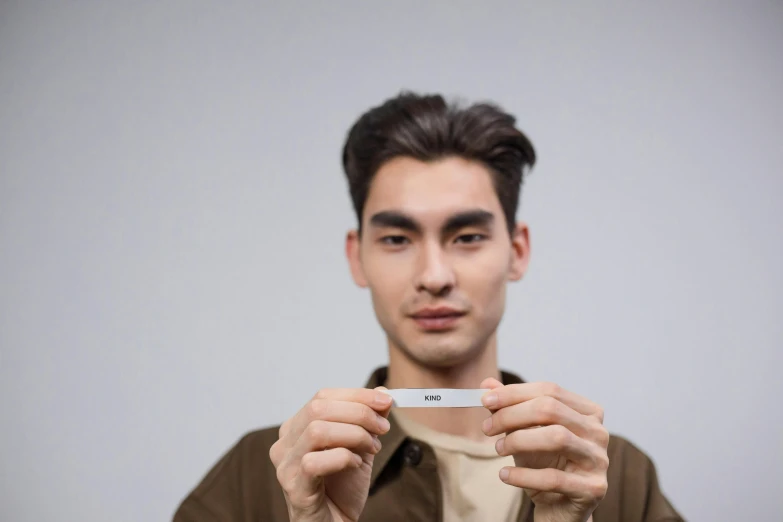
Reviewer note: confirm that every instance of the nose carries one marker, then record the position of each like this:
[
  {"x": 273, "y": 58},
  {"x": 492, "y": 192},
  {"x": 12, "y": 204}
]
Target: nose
[{"x": 435, "y": 275}]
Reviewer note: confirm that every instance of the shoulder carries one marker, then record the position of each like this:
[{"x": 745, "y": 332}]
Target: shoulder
[
  {"x": 258, "y": 442},
  {"x": 242, "y": 484},
  {"x": 634, "y": 492},
  {"x": 624, "y": 454},
  {"x": 247, "y": 460}
]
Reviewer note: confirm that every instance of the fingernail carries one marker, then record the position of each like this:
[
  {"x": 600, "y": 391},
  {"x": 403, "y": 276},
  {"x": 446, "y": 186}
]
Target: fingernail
[
  {"x": 499, "y": 445},
  {"x": 357, "y": 459},
  {"x": 487, "y": 424},
  {"x": 489, "y": 400},
  {"x": 383, "y": 399},
  {"x": 383, "y": 424},
  {"x": 377, "y": 443},
  {"x": 504, "y": 474}
]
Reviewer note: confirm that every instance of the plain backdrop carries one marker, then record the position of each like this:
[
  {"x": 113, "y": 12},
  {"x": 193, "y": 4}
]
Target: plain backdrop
[{"x": 172, "y": 216}]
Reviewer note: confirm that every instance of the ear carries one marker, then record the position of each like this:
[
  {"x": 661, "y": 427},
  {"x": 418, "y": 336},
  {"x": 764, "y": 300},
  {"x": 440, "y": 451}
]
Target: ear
[
  {"x": 520, "y": 251},
  {"x": 353, "y": 254}
]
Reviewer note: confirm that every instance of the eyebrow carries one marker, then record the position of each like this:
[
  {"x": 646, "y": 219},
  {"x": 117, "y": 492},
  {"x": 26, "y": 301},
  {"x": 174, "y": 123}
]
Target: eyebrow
[
  {"x": 394, "y": 219},
  {"x": 467, "y": 218}
]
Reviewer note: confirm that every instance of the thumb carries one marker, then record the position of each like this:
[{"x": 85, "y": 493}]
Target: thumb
[
  {"x": 490, "y": 383},
  {"x": 385, "y": 411}
]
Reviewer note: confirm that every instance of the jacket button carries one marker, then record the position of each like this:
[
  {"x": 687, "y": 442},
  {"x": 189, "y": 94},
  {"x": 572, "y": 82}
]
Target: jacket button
[{"x": 412, "y": 454}]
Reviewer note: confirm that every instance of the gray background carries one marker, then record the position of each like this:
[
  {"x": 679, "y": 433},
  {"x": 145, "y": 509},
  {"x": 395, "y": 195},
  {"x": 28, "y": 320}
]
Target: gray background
[{"x": 172, "y": 214}]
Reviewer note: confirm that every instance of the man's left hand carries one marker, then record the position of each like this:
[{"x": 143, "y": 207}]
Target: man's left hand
[{"x": 559, "y": 443}]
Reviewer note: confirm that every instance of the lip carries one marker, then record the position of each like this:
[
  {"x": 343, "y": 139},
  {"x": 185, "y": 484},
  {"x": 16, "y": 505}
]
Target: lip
[{"x": 437, "y": 319}]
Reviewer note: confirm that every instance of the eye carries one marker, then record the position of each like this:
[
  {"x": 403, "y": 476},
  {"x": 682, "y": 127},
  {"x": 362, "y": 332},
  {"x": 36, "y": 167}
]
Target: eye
[
  {"x": 394, "y": 240},
  {"x": 470, "y": 238}
]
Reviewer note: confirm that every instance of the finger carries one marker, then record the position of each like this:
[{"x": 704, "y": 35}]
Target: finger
[
  {"x": 375, "y": 398},
  {"x": 302, "y": 484},
  {"x": 327, "y": 462},
  {"x": 540, "y": 411},
  {"x": 277, "y": 452},
  {"x": 589, "y": 489},
  {"x": 285, "y": 427},
  {"x": 517, "y": 393},
  {"x": 348, "y": 413},
  {"x": 321, "y": 435},
  {"x": 556, "y": 440},
  {"x": 317, "y": 407}
]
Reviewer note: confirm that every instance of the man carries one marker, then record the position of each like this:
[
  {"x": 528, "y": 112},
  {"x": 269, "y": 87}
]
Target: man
[{"x": 435, "y": 187}]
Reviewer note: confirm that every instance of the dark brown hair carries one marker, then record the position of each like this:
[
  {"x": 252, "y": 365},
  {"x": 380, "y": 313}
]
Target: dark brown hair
[{"x": 427, "y": 128}]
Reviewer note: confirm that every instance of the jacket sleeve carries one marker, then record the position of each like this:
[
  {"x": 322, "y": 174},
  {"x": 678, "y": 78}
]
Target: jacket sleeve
[
  {"x": 634, "y": 494},
  {"x": 241, "y": 487}
]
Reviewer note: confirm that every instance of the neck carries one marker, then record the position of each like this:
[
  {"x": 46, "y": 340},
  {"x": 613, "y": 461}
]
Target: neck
[{"x": 405, "y": 372}]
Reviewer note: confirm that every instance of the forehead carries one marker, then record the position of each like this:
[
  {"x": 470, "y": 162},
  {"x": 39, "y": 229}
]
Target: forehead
[{"x": 431, "y": 191}]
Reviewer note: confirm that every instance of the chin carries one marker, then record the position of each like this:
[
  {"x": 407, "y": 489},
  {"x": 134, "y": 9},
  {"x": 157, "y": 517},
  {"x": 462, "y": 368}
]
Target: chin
[{"x": 443, "y": 353}]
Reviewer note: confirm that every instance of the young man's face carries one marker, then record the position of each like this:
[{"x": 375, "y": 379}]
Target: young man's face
[{"x": 436, "y": 255}]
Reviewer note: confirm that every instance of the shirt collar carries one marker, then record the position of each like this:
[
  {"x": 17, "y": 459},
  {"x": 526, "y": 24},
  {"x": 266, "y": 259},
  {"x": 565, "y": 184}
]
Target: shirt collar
[{"x": 394, "y": 438}]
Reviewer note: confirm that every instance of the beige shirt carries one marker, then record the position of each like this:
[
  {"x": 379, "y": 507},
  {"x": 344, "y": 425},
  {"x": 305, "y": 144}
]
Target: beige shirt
[{"x": 468, "y": 471}]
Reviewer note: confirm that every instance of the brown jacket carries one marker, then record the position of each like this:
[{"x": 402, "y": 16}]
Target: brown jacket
[{"x": 243, "y": 487}]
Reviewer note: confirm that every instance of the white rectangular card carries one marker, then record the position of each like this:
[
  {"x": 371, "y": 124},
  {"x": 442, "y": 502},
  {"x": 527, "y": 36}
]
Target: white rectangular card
[{"x": 436, "y": 397}]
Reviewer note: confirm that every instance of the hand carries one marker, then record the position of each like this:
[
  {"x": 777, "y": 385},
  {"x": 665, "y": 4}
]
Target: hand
[
  {"x": 559, "y": 443},
  {"x": 325, "y": 453}
]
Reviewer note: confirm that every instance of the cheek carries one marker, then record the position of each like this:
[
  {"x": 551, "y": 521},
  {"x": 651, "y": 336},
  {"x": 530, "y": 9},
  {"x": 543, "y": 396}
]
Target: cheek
[
  {"x": 483, "y": 278},
  {"x": 388, "y": 279}
]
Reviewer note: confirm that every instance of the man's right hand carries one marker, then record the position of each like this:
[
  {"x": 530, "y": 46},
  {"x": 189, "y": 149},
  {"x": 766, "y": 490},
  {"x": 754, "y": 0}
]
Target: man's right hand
[{"x": 325, "y": 452}]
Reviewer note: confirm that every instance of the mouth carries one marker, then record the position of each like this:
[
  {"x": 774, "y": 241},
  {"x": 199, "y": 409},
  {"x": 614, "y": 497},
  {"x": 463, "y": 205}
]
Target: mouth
[{"x": 437, "y": 319}]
